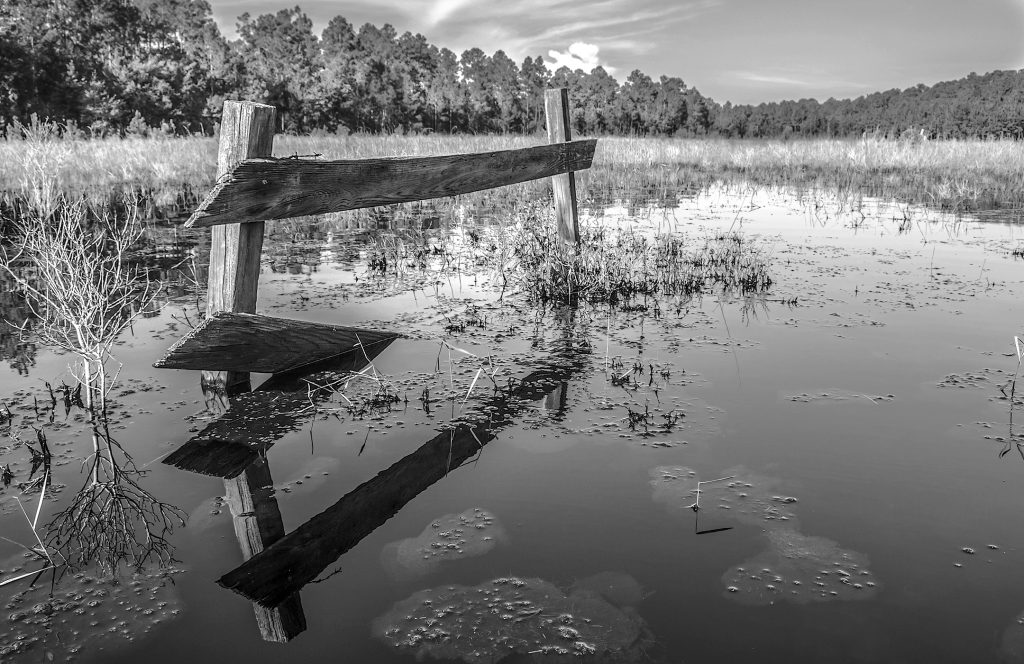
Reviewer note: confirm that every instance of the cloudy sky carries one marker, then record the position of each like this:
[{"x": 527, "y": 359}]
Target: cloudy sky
[{"x": 744, "y": 51}]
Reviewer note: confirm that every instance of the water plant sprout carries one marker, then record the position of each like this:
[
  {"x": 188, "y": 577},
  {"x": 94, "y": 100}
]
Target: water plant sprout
[{"x": 696, "y": 505}]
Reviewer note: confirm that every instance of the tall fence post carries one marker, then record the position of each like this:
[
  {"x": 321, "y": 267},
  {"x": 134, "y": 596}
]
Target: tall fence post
[
  {"x": 556, "y": 110},
  {"x": 246, "y": 131}
]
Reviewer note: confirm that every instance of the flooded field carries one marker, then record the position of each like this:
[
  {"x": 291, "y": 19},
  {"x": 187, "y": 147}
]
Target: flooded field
[{"x": 822, "y": 468}]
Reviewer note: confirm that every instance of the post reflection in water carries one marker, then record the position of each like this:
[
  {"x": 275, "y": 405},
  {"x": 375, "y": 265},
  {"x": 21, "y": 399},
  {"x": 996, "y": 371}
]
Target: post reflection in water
[
  {"x": 258, "y": 524},
  {"x": 278, "y": 565},
  {"x": 234, "y": 447}
]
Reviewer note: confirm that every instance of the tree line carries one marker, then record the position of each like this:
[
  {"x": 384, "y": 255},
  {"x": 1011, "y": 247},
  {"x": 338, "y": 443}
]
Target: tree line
[{"x": 132, "y": 66}]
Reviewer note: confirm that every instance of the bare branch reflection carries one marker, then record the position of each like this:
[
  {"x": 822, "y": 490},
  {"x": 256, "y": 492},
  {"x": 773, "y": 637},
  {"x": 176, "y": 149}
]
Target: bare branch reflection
[{"x": 113, "y": 521}]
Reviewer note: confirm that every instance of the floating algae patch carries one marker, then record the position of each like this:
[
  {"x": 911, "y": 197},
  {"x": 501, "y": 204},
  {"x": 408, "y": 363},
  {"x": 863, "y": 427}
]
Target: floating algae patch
[
  {"x": 800, "y": 568},
  {"x": 495, "y": 619},
  {"x": 793, "y": 567},
  {"x": 450, "y": 537},
  {"x": 83, "y": 614},
  {"x": 745, "y": 496}
]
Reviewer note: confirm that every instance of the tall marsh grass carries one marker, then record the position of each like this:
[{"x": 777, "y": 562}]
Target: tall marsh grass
[
  {"x": 174, "y": 173},
  {"x": 169, "y": 172}
]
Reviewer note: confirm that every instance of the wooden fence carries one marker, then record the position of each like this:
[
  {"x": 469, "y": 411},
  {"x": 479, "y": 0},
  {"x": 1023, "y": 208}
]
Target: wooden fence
[
  {"x": 253, "y": 188},
  {"x": 233, "y": 340}
]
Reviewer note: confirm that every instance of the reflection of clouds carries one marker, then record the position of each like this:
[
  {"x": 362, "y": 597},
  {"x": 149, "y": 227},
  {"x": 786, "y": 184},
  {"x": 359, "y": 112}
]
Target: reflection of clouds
[
  {"x": 448, "y": 538},
  {"x": 793, "y": 566},
  {"x": 800, "y": 568}
]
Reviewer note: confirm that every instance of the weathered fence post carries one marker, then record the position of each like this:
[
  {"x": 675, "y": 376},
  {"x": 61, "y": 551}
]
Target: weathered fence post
[
  {"x": 246, "y": 131},
  {"x": 556, "y": 110}
]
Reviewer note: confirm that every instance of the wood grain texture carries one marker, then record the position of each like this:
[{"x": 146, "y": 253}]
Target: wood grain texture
[
  {"x": 265, "y": 344},
  {"x": 300, "y": 556},
  {"x": 556, "y": 109},
  {"x": 246, "y": 131},
  {"x": 253, "y": 422},
  {"x": 264, "y": 189}
]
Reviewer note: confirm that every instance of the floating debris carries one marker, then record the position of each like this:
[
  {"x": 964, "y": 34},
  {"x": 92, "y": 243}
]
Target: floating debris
[
  {"x": 488, "y": 622},
  {"x": 85, "y": 614},
  {"x": 794, "y": 567},
  {"x": 746, "y": 497},
  {"x": 800, "y": 568},
  {"x": 450, "y": 537},
  {"x": 313, "y": 473}
]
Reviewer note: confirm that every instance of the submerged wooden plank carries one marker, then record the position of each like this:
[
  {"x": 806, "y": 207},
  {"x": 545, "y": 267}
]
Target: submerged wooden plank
[
  {"x": 272, "y": 576},
  {"x": 264, "y": 189},
  {"x": 256, "y": 420},
  {"x": 251, "y": 342}
]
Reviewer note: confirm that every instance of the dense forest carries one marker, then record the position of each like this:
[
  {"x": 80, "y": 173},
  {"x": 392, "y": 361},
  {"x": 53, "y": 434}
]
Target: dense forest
[{"x": 123, "y": 66}]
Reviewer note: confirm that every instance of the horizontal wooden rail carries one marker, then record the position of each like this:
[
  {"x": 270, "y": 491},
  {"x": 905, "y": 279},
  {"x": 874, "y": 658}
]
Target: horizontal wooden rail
[
  {"x": 264, "y": 189},
  {"x": 242, "y": 342}
]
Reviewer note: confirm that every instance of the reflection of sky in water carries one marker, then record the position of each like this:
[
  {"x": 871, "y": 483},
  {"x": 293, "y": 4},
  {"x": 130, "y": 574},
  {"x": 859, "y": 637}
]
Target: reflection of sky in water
[{"x": 925, "y": 313}]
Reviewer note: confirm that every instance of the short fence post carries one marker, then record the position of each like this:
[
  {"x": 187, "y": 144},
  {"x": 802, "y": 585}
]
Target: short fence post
[
  {"x": 556, "y": 109},
  {"x": 246, "y": 131}
]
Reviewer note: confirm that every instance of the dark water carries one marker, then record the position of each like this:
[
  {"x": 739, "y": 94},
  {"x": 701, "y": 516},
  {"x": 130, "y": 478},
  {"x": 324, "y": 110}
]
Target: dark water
[{"x": 855, "y": 412}]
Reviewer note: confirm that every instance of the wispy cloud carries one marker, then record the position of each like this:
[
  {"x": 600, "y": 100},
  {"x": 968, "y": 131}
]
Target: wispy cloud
[
  {"x": 753, "y": 77},
  {"x": 820, "y": 82},
  {"x": 442, "y": 9},
  {"x": 530, "y": 27}
]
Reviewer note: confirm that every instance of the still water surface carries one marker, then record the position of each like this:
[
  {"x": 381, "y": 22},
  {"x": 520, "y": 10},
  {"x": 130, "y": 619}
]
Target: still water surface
[{"x": 868, "y": 508}]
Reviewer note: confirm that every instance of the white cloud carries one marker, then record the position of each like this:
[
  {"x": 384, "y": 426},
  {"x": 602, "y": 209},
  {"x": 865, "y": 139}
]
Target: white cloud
[{"x": 579, "y": 55}]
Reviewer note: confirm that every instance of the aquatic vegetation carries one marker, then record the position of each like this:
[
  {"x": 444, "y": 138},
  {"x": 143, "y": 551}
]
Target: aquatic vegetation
[
  {"x": 169, "y": 176},
  {"x": 79, "y": 283},
  {"x": 488, "y": 622},
  {"x": 113, "y": 521},
  {"x": 472, "y": 533},
  {"x": 86, "y": 615},
  {"x": 618, "y": 267},
  {"x": 793, "y": 567},
  {"x": 746, "y": 497},
  {"x": 800, "y": 568}
]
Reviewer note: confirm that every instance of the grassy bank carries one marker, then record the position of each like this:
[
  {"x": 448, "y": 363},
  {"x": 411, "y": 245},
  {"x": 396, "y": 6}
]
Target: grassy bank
[{"x": 171, "y": 173}]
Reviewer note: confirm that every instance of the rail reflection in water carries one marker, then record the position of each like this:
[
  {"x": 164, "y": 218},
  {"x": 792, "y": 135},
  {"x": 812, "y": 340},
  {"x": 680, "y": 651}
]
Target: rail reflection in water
[{"x": 278, "y": 565}]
